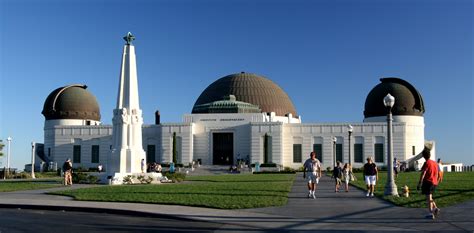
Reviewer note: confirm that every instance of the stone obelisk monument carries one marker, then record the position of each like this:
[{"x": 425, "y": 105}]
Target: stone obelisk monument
[{"x": 127, "y": 150}]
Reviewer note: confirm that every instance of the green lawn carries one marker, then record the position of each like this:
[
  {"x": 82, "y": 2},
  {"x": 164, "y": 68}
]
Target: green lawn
[
  {"x": 223, "y": 192},
  {"x": 12, "y": 185},
  {"x": 456, "y": 187}
]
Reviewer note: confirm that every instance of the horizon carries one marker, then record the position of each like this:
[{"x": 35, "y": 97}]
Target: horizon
[{"x": 326, "y": 55}]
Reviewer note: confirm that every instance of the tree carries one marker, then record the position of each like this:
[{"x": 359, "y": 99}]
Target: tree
[{"x": 1, "y": 147}]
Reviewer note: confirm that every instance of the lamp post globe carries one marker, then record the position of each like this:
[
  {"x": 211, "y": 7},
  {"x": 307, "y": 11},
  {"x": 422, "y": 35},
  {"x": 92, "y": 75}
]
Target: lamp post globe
[
  {"x": 390, "y": 187},
  {"x": 33, "y": 160},
  {"x": 9, "y": 140},
  {"x": 334, "y": 140},
  {"x": 349, "y": 130}
]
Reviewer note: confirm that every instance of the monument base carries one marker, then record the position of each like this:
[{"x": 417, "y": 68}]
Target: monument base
[{"x": 133, "y": 178}]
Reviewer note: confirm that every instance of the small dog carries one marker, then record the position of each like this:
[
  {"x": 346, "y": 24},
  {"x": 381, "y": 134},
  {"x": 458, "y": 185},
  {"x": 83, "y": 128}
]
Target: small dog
[{"x": 406, "y": 191}]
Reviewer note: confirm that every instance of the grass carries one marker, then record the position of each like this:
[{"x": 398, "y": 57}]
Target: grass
[
  {"x": 457, "y": 187},
  {"x": 221, "y": 192},
  {"x": 14, "y": 185}
]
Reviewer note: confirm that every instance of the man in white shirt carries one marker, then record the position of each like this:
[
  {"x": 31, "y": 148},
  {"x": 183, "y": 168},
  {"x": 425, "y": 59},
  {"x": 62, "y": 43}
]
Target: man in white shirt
[{"x": 312, "y": 172}]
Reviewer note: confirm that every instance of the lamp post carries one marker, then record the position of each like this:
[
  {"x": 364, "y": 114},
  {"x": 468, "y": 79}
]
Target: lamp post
[
  {"x": 33, "y": 160},
  {"x": 9, "y": 140},
  {"x": 349, "y": 130},
  {"x": 334, "y": 140},
  {"x": 390, "y": 187}
]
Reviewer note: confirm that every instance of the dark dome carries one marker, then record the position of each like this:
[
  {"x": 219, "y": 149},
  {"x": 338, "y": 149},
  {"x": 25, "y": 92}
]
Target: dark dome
[
  {"x": 408, "y": 101},
  {"x": 249, "y": 88},
  {"x": 71, "y": 102}
]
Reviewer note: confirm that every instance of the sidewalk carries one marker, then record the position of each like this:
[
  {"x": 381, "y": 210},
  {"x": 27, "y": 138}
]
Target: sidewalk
[{"x": 329, "y": 211}]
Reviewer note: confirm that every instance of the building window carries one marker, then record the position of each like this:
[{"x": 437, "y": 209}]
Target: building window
[
  {"x": 150, "y": 154},
  {"x": 378, "y": 151},
  {"x": 318, "y": 149},
  {"x": 339, "y": 153},
  {"x": 413, "y": 150},
  {"x": 358, "y": 153},
  {"x": 95, "y": 154},
  {"x": 76, "y": 154},
  {"x": 49, "y": 152},
  {"x": 297, "y": 152},
  {"x": 267, "y": 149}
]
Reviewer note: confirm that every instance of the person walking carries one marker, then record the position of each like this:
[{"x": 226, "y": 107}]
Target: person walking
[
  {"x": 337, "y": 175},
  {"x": 371, "y": 176},
  {"x": 348, "y": 176},
  {"x": 429, "y": 179},
  {"x": 143, "y": 165},
  {"x": 67, "y": 168},
  {"x": 312, "y": 172},
  {"x": 396, "y": 167},
  {"x": 440, "y": 170}
]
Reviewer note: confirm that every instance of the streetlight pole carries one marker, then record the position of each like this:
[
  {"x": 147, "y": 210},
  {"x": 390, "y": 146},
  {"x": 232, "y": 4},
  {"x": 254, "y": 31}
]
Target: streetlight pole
[
  {"x": 9, "y": 139},
  {"x": 390, "y": 187},
  {"x": 349, "y": 130},
  {"x": 334, "y": 140},
  {"x": 33, "y": 160}
]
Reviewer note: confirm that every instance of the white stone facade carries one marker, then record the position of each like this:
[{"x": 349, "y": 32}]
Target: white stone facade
[{"x": 195, "y": 139}]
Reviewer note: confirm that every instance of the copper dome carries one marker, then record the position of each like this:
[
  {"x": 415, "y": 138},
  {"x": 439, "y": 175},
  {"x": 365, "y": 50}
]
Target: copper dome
[
  {"x": 71, "y": 102},
  {"x": 250, "y": 88},
  {"x": 408, "y": 101}
]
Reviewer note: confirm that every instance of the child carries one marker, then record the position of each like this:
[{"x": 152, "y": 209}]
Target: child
[
  {"x": 337, "y": 174},
  {"x": 347, "y": 171}
]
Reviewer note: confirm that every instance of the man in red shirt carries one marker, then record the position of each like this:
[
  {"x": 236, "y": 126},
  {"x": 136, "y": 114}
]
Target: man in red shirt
[{"x": 429, "y": 179}]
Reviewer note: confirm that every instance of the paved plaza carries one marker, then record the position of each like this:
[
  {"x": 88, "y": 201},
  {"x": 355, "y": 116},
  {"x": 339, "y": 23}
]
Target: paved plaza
[{"x": 330, "y": 211}]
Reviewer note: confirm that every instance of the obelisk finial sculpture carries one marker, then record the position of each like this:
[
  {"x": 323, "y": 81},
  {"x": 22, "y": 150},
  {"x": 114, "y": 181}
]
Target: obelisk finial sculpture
[
  {"x": 127, "y": 150},
  {"x": 129, "y": 38}
]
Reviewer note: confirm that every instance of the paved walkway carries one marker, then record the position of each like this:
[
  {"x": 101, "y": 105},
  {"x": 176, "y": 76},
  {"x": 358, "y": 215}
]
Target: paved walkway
[{"x": 330, "y": 211}]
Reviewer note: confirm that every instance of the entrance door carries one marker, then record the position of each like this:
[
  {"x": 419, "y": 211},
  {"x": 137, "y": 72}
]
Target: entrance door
[{"x": 223, "y": 148}]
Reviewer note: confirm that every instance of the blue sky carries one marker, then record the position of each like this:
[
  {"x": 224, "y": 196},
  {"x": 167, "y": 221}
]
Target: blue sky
[{"x": 327, "y": 55}]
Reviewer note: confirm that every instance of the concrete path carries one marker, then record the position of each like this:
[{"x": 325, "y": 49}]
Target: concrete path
[{"x": 330, "y": 211}]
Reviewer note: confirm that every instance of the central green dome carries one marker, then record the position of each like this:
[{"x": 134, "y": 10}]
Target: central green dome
[{"x": 248, "y": 88}]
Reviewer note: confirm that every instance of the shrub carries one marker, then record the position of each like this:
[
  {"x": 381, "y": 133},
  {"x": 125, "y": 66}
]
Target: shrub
[
  {"x": 80, "y": 169},
  {"x": 145, "y": 180},
  {"x": 128, "y": 179},
  {"x": 92, "y": 179},
  {"x": 21, "y": 175},
  {"x": 268, "y": 165},
  {"x": 79, "y": 178},
  {"x": 175, "y": 177}
]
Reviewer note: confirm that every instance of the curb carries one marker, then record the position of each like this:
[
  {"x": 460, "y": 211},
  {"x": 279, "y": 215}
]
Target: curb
[{"x": 97, "y": 210}]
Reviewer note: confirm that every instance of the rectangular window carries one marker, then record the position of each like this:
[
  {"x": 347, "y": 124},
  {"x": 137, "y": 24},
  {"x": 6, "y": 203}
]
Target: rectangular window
[
  {"x": 358, "y": 153},
  {"x": 49, "y": 152},
  {"x": 339, "y": 153},
  {"x": 318, "y": 149},
  {"x": 95, "y": 154},
  {"x": 413, "y": 150},
  {"x": 76, "y": 154},
  {"x": 297, "y": 152},
  {"x": 150, "y": 154},
  {"x": 378, "y": 151},
  {"x": 267, "y": 149}
]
